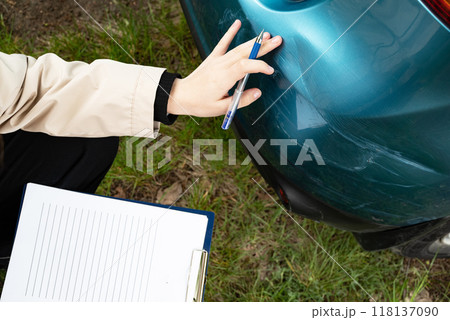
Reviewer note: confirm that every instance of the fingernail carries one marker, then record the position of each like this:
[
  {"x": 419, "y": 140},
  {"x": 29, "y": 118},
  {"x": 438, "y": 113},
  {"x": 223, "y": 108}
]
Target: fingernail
[
  {"x": 257, "y": 94},
  {"x": 235, "y": 23},
  {"x": 266, "y": 35},
  {"x": 270, "y": 69},
  {"x": 276, "y": 39}
]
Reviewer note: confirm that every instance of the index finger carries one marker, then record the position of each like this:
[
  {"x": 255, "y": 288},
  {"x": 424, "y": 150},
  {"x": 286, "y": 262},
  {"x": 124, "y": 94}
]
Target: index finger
[{"x": 222, "y": 47}]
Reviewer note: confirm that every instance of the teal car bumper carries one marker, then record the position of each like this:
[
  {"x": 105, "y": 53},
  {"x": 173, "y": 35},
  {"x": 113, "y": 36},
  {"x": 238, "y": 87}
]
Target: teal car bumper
[{"x": 369, "y": 83}]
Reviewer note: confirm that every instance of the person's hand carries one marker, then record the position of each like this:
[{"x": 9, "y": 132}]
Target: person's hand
[{"x": 204, "y": 93}]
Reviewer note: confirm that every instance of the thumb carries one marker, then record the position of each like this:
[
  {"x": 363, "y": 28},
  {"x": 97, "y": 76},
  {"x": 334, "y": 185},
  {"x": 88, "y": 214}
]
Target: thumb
[{"x": 249, "y": 96}]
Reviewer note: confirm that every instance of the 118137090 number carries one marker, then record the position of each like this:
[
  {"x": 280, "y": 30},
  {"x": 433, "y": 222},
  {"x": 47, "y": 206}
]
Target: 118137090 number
[{"x": 397, "y": 311}]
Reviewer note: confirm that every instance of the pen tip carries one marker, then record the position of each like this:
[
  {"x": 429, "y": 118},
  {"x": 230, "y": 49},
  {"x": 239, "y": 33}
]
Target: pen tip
[{"x": 259, "y": 38}]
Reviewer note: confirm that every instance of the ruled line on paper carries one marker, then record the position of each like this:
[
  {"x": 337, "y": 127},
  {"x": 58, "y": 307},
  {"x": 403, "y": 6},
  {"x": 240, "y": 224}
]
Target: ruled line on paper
[
  {"x": 74, "y": 253},
  {"x": 99, "y": 258},
  {"x": 106, "y": 258},
  {"x": 40, "y": 251},
  {"x": 47, "y": 247},
  {"x": 54, "y": 252},
  {"x": 95, "y": 249},
  {"x": 118, "y": 267},
  {"x": 132, "y": 258},
  {"x": 81, "y": 256},
  {"x": 139, "y": 256},
  {"x": 145, "y": 257},
  {"x": 151, "y": 259},
  {"x": 113, "y": 255},
  {"x": 126, "y": 258},
  {"x": 34, "y": 250},
  {"x": 67, "y": 252},
  {"x": 88, "y": 250},
  {"x": 60, "y": 253}
]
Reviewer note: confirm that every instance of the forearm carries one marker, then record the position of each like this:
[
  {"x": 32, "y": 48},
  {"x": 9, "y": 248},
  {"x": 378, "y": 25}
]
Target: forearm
[{"x": 50, "y": 95}]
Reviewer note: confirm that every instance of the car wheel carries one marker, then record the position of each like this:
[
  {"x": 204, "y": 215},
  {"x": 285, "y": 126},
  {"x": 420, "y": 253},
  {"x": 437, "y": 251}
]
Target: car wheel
[{"x": 431, "y": 245}]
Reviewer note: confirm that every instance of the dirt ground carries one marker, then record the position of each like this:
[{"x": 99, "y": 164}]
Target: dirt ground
[{"x": 36, "y": 18}]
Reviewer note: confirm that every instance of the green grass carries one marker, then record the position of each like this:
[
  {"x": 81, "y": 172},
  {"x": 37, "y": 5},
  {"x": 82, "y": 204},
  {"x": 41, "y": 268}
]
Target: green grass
[{"x": 258, "y": 252}]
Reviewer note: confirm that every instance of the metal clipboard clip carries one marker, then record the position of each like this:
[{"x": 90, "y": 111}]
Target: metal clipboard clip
[{"x": 197, "y": 276}]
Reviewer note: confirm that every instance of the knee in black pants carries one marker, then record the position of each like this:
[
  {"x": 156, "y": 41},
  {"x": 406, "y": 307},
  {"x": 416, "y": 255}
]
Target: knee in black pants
[{"x": 77, "y": 164}]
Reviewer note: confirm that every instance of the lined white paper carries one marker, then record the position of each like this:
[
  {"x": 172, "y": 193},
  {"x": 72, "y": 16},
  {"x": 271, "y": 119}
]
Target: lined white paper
[{"x": 76, "y": 247}]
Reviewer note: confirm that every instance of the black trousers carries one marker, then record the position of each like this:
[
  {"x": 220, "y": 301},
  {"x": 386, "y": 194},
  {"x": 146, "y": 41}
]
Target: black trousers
[{"x": 77, "y": 164}]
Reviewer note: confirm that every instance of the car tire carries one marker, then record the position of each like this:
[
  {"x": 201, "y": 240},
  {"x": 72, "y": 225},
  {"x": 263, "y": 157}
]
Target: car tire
[{"x": 434, "y": 244}]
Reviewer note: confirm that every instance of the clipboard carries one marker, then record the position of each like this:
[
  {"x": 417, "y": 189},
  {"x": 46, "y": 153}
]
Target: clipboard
[{"x": 69, "y": 227}]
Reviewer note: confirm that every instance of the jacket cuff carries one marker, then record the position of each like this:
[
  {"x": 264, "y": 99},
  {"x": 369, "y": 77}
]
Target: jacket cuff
[
  {"x": 162, "y": 97},
  {"x": 143, "y": 124}
]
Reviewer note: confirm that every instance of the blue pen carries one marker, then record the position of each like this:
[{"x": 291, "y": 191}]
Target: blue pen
[{"x": 241, "y": 86}]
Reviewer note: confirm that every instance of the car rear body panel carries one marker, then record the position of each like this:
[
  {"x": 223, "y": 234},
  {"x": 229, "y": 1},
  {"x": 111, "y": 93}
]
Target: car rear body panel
[{"x": 369, "y": 85}]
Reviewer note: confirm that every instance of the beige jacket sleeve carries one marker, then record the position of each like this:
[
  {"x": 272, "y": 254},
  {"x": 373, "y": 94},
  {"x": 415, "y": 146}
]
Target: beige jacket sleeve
[{"x": 50, "y": 95}]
